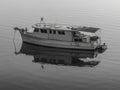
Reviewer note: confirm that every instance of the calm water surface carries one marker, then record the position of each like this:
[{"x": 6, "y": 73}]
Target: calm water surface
[{"x": 27, "y": 67}]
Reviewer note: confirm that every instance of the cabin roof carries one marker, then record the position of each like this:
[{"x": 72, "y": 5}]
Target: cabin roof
[
  {"x": 66, "y": 27},
  {"x": 88, "y": 29}
]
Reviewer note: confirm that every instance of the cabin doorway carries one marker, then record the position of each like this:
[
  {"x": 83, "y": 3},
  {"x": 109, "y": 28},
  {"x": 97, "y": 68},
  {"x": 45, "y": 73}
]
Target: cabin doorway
[{"x": 76, "y": 37}]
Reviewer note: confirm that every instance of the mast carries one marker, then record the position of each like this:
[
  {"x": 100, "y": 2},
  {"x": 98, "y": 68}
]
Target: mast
[{"x": 42, "y": 23}]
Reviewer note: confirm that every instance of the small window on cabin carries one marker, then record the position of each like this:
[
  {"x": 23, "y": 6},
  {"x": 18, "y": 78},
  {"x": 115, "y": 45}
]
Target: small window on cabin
[
  {"x": 43, "y": 31},
  {"x": 36, "y": 30},
  {"x": 61, "y": 32},
  {"x": 54, "y": 32},
  {"x": 50, "y": 31}
]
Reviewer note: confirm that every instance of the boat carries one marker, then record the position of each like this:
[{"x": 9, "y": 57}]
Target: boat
[
  {"x": 62, "y": 57},
  {"x": 62, "y": 36}
]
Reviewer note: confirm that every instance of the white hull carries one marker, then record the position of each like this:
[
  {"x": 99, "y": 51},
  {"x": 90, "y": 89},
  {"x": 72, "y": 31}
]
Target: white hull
[{"x": 57, "y": 44}]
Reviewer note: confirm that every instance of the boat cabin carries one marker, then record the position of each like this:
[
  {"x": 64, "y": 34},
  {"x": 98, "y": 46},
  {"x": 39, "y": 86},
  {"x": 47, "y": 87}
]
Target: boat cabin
[
  {"x": 64, "y": 33},
  {"x": 74, "y": 35}
]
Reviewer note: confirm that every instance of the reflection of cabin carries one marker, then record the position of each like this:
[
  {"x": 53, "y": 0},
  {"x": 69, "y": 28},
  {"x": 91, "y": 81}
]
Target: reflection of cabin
[
  {"x": 64, "y": 61},
  {"x": 53, "y": 59}
]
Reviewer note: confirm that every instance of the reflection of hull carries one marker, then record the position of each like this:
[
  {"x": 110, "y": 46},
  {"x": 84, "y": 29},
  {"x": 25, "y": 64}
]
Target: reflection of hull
[
  {"x": 29, "y": 38},
  {"x": 58, "y": 56}
]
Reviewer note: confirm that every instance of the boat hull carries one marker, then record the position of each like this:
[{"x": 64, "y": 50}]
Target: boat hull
[{"x": 28, "y": 38}]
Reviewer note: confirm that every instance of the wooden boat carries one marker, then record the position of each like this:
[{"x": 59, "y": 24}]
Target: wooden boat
[{"x": 62, "y": 36}]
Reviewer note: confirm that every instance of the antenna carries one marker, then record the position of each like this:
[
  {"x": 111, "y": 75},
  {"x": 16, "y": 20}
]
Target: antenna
[
  {"x": 42, "y": 20},
  {"x": 42, "y": 23}
]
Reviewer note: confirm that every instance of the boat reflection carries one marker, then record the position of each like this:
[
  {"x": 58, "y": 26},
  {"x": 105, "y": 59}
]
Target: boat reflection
[{"x": 46, "y": 55}]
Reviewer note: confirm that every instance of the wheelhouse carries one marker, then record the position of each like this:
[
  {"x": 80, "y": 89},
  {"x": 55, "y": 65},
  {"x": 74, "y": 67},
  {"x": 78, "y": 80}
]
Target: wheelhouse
[{"x": 67, "y": 33}]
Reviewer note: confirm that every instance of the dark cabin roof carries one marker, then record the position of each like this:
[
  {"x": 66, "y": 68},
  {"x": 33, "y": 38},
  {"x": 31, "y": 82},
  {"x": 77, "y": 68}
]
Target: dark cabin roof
[{"x": 87, "y": 29}]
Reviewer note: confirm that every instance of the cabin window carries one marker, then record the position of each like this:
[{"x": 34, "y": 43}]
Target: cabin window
[
  {"x": 36, "y": 30},
  {"x": 61, "y": 32},
  {"x": 44, "y": 60},
  {"x": 54, "y": 32},
  {"x": 78, "y": 40},
  {"x": 76, "y": 34},
  {"x": 50, "y": 31},
  {"x": 43, "y": 31}
]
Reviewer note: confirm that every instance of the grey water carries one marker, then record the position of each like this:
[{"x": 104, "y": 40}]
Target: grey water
[{"x": 20, "y": 64}]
